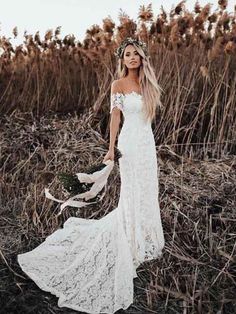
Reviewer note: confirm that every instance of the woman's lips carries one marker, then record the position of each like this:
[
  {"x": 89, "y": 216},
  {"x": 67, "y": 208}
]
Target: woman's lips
[{"x": 133, "y": 62}]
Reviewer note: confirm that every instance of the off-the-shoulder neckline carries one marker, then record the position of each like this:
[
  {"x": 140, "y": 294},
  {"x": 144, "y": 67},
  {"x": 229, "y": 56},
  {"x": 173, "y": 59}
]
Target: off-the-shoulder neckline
[{"x": 133, "y": 92}]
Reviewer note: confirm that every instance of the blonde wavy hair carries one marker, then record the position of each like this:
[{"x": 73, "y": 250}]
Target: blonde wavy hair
[{"x": 151, "y": 91}]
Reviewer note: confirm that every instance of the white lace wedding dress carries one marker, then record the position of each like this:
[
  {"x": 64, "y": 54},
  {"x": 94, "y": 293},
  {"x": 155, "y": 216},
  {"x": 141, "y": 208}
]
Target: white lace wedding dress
[{"x": 90, "y": 264}]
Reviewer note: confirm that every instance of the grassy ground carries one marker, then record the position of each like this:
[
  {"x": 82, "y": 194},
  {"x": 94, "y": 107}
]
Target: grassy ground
[{"x": 197, "y": 273}]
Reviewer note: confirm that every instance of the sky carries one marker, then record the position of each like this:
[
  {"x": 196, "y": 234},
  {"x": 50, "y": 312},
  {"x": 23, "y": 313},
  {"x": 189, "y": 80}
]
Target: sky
[{"x": 75, "y": 16}]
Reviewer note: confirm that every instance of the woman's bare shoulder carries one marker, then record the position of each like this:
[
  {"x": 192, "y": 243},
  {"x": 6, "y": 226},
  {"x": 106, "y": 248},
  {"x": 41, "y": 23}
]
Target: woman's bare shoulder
[{"x": 116, "y": 86}]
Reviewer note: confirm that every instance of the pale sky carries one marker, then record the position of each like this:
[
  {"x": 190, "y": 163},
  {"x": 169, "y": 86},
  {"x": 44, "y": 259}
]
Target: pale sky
[{"x": 75, "y": 16}]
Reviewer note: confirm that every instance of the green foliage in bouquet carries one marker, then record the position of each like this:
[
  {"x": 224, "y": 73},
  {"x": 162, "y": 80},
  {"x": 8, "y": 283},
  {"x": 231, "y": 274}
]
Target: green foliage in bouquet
[{"x": 72, "y": 184}]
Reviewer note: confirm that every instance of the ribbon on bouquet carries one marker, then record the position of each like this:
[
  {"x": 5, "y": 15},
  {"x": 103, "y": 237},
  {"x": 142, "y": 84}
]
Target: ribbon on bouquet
[{"x": 99, "y": 180}]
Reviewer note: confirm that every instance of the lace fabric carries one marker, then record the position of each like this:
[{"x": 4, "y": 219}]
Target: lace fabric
[
  {"x": 117, "y": 100},
  {"x": 90, "y": 264}
]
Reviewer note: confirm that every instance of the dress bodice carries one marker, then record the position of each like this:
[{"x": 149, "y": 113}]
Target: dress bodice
[
  {"x": 131, "y": 105},
  {"x": 135, "y": 127}
]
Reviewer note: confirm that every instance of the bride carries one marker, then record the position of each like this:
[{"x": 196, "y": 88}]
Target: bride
[{"x": 90, "y": 264}]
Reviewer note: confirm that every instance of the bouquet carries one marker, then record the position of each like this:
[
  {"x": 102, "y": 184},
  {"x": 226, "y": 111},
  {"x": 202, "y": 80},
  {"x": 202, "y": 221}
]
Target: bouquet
[{"x": 87, "y": 187}]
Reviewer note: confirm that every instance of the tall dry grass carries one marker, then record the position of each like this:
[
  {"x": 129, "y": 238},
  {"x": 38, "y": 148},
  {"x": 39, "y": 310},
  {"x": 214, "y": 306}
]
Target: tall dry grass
[{"x": 194, "y": 56}]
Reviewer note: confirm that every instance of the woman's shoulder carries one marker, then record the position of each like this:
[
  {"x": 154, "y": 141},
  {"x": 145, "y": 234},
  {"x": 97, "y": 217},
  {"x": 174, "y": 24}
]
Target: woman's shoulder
[
  {"x": 116, "y": 86},
  {"x": 119, "y": 81}
]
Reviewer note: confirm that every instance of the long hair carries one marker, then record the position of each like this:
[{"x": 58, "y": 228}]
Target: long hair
[{"x": 151, "y": 91}]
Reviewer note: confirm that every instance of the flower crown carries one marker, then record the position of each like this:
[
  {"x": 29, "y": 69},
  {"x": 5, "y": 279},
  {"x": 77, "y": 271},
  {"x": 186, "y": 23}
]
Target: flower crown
[{"x": 129, "y": 40}]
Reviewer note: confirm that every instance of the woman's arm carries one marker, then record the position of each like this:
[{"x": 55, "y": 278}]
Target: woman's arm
[
  {"x": 114, "y": 121},
  {"x": 115, "y": 116}
]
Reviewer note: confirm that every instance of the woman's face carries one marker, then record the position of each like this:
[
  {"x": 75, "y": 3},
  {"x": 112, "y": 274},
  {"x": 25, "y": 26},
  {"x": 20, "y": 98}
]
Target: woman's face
[{"x": 131, "y": 57}]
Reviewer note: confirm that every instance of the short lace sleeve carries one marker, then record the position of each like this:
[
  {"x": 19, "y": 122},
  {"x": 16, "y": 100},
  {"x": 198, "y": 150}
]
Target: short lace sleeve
[{"x": 117, "y": 100}]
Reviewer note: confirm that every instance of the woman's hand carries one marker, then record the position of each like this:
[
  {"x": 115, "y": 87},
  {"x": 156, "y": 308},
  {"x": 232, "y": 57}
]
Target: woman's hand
[{"x": 109, "y": 155}]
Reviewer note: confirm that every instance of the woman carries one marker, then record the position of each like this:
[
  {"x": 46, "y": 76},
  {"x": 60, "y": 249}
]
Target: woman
[{"x": 90, "y": 264}]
